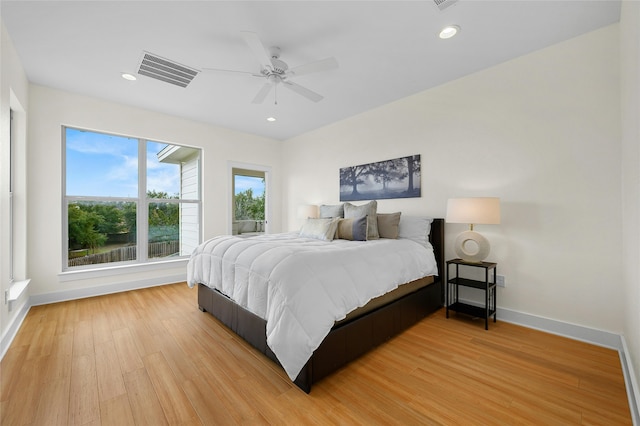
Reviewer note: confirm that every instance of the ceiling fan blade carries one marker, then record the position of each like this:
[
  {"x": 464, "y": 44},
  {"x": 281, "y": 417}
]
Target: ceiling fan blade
[
  {"x": 309, "y": 94},
  {"x": 321, "y": 65},
  {"x": 232, "y": 72},
  {"x": 258, "y": 49},
  {"x": 262, "y": 94}
]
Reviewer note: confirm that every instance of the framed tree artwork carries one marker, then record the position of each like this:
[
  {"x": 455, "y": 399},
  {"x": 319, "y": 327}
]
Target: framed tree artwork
[{"x": 397, "y": 178}]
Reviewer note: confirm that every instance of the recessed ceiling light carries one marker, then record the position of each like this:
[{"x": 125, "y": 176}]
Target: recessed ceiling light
[
  {"x": 128, "y": 76},
  {"x": 449, "y": 31},
  {"x": 271, "y": 119}
]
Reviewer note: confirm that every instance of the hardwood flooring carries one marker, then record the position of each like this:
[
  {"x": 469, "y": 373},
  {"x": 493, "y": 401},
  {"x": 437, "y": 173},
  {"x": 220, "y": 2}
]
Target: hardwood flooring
[{"x": 151, "y": 357}]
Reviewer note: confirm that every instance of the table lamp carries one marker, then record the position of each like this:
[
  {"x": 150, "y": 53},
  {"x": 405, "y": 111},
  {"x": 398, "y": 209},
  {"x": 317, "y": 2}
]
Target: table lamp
[
  {"x": 471, "y": 246},
  {"x": 307, "y": 211}
]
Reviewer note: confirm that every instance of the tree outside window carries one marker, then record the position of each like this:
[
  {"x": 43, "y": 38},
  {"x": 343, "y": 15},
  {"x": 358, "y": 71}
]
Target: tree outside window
[{"x": 249, "y": 201}]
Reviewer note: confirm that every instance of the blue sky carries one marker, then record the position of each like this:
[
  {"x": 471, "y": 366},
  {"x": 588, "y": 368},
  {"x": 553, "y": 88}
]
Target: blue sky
[
  {"x": 245, "y": 182},
  {"x": 106, "y": 165}
]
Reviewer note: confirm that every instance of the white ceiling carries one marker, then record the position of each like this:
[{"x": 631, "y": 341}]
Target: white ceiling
[{"x": 386, "y": 50}]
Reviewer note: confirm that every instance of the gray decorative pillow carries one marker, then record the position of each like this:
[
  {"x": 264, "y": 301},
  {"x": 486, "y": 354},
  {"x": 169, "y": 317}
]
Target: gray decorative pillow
[
  {"x": 388, "y": 225},
  {"x": 369, "y": 210},
  {"x": 331, "y": 210},
  {"x": 320, "y": 229},
  {"x": 352, "y": 229}
]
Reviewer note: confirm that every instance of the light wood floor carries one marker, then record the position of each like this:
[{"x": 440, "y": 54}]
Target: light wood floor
[{"x": 151, "y": 357}]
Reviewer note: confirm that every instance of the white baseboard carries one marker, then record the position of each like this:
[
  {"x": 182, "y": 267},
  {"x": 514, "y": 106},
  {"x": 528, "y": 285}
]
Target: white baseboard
[
  {"x": 572, "y": 331},
  {"x": 13, "y": 328},
  {"x": 633, "y": 391},
  {"x": 81, "y": 293}
]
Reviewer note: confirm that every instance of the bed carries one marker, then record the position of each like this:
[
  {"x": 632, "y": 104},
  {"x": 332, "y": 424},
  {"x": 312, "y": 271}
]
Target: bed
[{"x": 350, "y": 333}]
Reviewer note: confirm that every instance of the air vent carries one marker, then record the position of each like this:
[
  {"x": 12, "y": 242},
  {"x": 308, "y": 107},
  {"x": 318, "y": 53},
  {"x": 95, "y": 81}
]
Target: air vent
[
  {"x": 443, "y": 4},
  {"x": 166, "y": 70}
]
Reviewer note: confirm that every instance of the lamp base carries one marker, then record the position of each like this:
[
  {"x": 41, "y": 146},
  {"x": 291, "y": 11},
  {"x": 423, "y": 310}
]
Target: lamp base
[{"x": 472, "y": 247}]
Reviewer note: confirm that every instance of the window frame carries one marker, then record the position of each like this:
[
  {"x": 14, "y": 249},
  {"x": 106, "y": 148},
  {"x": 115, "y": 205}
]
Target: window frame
[
  {"x": 142, "y": 212},
  {"x": 12, "y": 168},
  {"x": 248, "y": 167}
]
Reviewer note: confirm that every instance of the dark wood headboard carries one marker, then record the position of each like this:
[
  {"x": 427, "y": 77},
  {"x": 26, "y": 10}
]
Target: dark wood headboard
[{"x": 436, "y": 237}]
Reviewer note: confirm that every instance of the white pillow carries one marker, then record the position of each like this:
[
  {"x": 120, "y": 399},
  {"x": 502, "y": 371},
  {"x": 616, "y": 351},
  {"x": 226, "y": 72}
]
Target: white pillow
[
  {"x": 321, "y": 229},
  {"x": 415, "y": 228}
]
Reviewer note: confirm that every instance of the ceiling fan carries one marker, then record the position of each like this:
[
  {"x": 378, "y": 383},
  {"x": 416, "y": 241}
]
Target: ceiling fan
[{"x": 276, "y": 71}]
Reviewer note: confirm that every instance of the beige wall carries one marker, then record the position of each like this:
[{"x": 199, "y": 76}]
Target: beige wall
[
  {"x": 542, "y": 132},
  {"x": 52, "y": 108},
  {"x": 630, "y": 89}
]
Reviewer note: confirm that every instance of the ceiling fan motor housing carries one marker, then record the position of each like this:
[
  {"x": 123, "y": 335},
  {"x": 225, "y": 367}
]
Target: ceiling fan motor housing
[{"x": 279, "y": 67}]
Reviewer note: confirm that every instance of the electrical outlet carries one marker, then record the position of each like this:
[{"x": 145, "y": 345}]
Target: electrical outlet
[{"x": 500, "y": 280}]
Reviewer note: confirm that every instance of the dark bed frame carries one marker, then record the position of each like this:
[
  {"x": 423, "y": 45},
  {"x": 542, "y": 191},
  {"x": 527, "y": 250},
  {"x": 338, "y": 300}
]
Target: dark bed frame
[{"x": 347, "y": 340}]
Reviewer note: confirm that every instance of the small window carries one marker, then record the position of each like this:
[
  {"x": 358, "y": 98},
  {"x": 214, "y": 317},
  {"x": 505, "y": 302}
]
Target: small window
[
  {"x": 128, "y": 200},
  {"x": 249, "y": 201}
]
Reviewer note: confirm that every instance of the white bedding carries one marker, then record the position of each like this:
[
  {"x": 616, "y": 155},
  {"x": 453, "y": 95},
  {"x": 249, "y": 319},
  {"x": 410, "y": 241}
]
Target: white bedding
[{"x": 302, "y": 286}]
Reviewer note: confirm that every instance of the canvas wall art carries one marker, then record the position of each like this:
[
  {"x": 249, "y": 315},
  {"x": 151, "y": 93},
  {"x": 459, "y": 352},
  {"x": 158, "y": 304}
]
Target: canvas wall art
[{"x": 397, "y": 178}]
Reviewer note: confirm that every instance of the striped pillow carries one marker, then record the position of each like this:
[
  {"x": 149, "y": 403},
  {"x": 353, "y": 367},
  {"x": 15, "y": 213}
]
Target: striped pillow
[
  {"x": 369, "y": 210},
  {"x": 352, "y": 229}
]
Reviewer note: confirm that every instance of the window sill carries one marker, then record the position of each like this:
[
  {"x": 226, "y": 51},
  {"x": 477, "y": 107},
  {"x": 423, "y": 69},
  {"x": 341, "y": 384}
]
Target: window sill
[
  {"x": 121, "y": 270},
  {"x": 16, "y": 290}
]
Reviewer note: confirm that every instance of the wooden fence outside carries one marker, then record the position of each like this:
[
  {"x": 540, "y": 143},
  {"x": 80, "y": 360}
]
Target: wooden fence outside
[{"x": 122, "y": 254}]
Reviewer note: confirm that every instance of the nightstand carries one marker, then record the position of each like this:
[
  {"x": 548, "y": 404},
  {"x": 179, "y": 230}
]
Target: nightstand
[{"x": 452, "y": 301}]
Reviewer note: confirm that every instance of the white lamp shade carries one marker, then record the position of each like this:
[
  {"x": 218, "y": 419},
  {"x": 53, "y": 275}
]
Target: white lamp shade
[
  {"x": 307, "y": 211},
  {"x": 475, "y": 210}
]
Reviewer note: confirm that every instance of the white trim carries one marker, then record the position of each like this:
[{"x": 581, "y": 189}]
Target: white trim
[
  {"x": 16, "y": 289},
  {"x": 83, "y": 274},
  {"x": 12, "y": 329},
  {"x": 565, "y": 329},
  {"x": 81, "y": 293},
  {"x": 560, "y": 328},
  {"x": 633, "y": 392}
]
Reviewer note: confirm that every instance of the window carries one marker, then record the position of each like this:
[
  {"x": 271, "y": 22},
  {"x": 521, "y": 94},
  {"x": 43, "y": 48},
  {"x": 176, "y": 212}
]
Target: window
[
  {"x": 249, "y": 201},
  {"x": 16, "y": 237},
  {"x": 128, "y": 200}
]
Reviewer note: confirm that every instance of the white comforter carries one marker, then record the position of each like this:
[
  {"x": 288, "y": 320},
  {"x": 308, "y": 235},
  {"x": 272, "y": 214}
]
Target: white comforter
[{"x": 301, "y": 286}]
